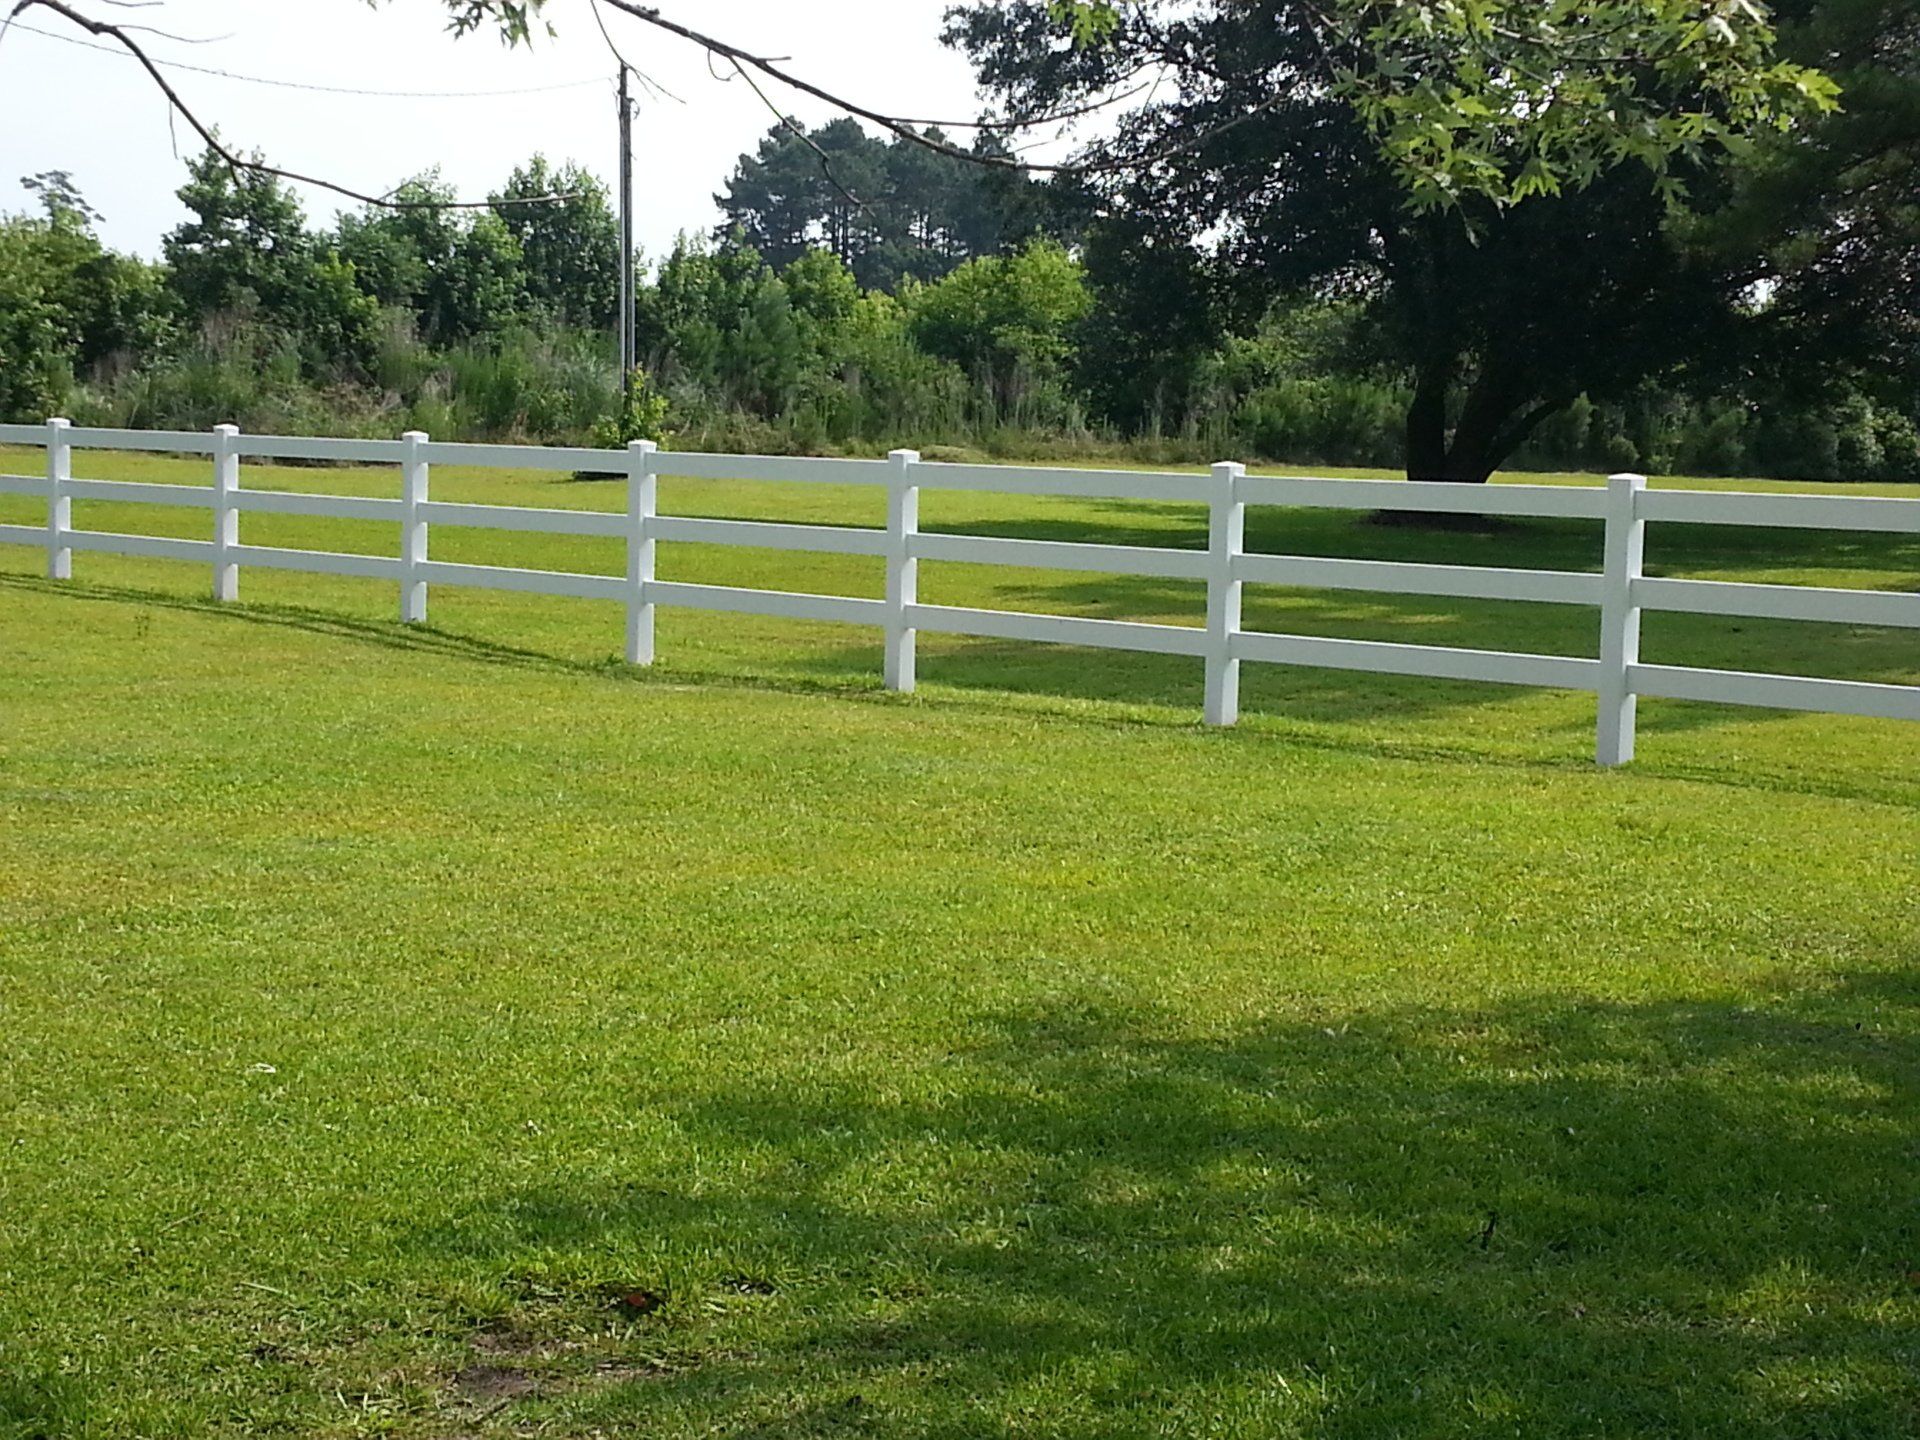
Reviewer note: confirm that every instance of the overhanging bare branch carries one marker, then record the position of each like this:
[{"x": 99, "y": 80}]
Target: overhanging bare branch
[{"x": 236, "y": 162}]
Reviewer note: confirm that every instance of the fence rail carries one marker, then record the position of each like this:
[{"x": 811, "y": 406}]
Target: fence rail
[{"x": 1621, "y": 592}]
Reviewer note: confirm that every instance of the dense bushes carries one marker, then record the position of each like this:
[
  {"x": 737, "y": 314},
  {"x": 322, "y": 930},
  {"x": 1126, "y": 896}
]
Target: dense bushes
[
  {"x": 67, "y": 304},
  {"x": 1848, "y": 438},
  {"x": 487, "y": 326}
]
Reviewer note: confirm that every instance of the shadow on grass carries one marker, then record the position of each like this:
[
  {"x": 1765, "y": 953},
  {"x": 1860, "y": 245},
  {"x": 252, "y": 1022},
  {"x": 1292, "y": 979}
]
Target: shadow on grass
[
  {"x": 1573, "y": 545},
  {"x": 1082, "y": 1218},
  {"x": 417, "y": 639},
  {"x": 982, "y": 667},
  {"x": 1531, "y": 544},
  {"x": 997, "y": 673}
]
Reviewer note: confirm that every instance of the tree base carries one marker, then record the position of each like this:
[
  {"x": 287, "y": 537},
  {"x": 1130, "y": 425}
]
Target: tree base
[{"x": 1440, "y": 521}]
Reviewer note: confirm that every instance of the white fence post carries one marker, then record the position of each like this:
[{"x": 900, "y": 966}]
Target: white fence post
[
  {"x": 903, "y": 570},
  {"x": 413, "y": 529},
  {"x": 1626, "y": 547},
  {"x": 1620, "y": 592},
  {"x": 643, "y": 504},
  {"x": 226, "y": 514},
  {"x": 59, "y": 503},
  {"x": 1227, "y": 538}
]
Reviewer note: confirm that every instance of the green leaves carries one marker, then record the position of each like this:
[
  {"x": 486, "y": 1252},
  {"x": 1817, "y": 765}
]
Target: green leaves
[
  {"x": 1515, "y": 100},
  {"x": 513, "y": 18},
  {"x": 1088, "y": 21},
  {"x": 570, "y": 246},
  {"x": 1005, "y": 314},
  {"x": 1510, "y": 99},
  {"x": 1503, "y": 100}
]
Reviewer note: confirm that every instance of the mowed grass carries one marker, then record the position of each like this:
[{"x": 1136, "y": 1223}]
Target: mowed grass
[{"x": 451, "y": 1032}]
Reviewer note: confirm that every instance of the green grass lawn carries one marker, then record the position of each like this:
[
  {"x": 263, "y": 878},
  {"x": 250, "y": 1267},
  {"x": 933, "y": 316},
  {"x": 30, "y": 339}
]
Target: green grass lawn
[{"x": 453, "y": 1033}]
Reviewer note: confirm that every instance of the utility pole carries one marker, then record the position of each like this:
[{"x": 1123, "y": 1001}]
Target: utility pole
[{"x": 627, "y": 346}]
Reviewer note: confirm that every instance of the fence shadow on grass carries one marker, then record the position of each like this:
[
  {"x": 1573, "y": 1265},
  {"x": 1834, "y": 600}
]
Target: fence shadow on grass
[
  {"x": 987, "y": 668},
  {"x": 1550, "y": 1217},
  {"x": 417, "y": 639}
]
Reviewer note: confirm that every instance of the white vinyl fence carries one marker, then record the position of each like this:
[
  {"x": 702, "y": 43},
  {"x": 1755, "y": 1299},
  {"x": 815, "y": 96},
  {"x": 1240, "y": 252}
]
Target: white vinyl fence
[{"x": 1621, "y": 592}]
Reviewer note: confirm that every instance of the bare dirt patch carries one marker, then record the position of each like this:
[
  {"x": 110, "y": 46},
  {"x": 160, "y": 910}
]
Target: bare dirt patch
[{"x": 490, "y": 1384}]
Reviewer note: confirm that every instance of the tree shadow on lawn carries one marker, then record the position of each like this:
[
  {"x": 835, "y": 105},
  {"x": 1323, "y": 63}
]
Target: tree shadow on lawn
[
  {"x": 983, "y": 667},
  {"x": 1326, "y": 695},
  {"x": 418, "y": 639},
  {"x": 1573, "y": 545},
  {"x": 1086, "y": 1218}
]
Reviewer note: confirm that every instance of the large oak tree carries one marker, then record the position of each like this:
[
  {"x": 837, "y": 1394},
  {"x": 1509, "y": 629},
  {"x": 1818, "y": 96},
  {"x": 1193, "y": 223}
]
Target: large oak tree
[{"x": 1506, "y": 265}]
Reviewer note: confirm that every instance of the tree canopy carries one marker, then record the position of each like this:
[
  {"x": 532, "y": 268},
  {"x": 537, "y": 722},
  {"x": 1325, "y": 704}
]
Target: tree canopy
[
  {"x": 1499, "y": 99},
  {"x": 1264, "y": 156},
  {"x": 888, "y": 208},
  {"x": 1824, "y": 223},
  {"x": 570, "y": 247}
]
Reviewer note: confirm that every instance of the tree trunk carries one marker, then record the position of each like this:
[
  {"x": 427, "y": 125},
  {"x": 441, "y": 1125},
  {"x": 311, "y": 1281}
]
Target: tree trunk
[
  {"x": 1427, "y": 421},
  {"x": 1478, "y": 441},
  {"x": 1493, "y": 423}
]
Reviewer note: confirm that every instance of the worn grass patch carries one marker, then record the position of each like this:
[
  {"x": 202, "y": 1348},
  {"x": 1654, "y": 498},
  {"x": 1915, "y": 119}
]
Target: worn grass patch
[{"x": 453, "y": 1034}]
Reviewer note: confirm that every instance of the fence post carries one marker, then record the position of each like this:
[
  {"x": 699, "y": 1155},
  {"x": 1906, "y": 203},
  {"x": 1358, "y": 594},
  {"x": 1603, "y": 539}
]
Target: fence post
[
  {"x": 643, "y": 503},
  {"x": 1227, "y": 536},
  {"x": 413, "y": 529},
  {"x": 903, "y": 570},
  {"x": 226, "y": 513},
  {"x": 59, "y": 503},
  {"x": 1626, "y": 547}
]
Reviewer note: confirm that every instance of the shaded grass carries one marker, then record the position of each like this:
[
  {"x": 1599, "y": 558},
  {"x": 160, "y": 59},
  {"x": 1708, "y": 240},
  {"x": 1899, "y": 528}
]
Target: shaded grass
[{"x": 450, "y": 1032}]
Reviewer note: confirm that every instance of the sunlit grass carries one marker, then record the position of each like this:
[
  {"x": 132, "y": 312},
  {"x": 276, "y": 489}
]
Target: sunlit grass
[{"x": 451, "y": 1032}]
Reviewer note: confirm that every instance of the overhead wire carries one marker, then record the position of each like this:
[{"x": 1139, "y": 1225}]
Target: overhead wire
[
  {"x": 280, "y": 84},
  {"x": 210, "y": 137}
]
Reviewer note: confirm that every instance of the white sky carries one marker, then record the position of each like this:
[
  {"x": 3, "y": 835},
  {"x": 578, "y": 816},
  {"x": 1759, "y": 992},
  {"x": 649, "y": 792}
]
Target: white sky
[{"x": 98, "y": 116}]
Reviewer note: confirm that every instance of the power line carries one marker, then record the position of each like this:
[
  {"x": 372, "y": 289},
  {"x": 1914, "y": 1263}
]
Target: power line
[
  {"x": 303, "y": 85},
  {"x": 211, "y": 137}
]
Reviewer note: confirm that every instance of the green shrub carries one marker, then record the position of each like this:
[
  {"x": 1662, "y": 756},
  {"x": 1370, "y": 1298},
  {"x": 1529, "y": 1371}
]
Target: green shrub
[
  {"x": 643, "y": 417},
  {"x": 1335, "y": 421}
]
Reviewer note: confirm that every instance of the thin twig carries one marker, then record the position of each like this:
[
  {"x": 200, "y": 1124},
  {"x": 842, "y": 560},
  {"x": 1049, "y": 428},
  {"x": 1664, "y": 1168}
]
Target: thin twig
[
  {"x": 645, "y": 79},
  {"x": 234, "y": 161},
  {"x": 826, "y": 161},
  {"x": 767, "y": 66},
  {"x": 119, "y": 53}
]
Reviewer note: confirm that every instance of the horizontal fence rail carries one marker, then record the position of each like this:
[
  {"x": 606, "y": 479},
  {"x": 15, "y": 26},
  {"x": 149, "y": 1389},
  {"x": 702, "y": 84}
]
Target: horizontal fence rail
[{"x": 1621, "y": 592}]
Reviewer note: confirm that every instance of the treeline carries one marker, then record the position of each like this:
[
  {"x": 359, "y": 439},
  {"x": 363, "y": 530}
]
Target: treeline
[
  {"x": 890, "y": 210},
  {"x": 903, "y": 298}
]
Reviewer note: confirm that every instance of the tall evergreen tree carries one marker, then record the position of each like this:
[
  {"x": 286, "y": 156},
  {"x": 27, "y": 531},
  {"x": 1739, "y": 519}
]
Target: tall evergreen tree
[
  {"x": 889, "y": 209},
  {"x": 1825, "y": 223}
]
